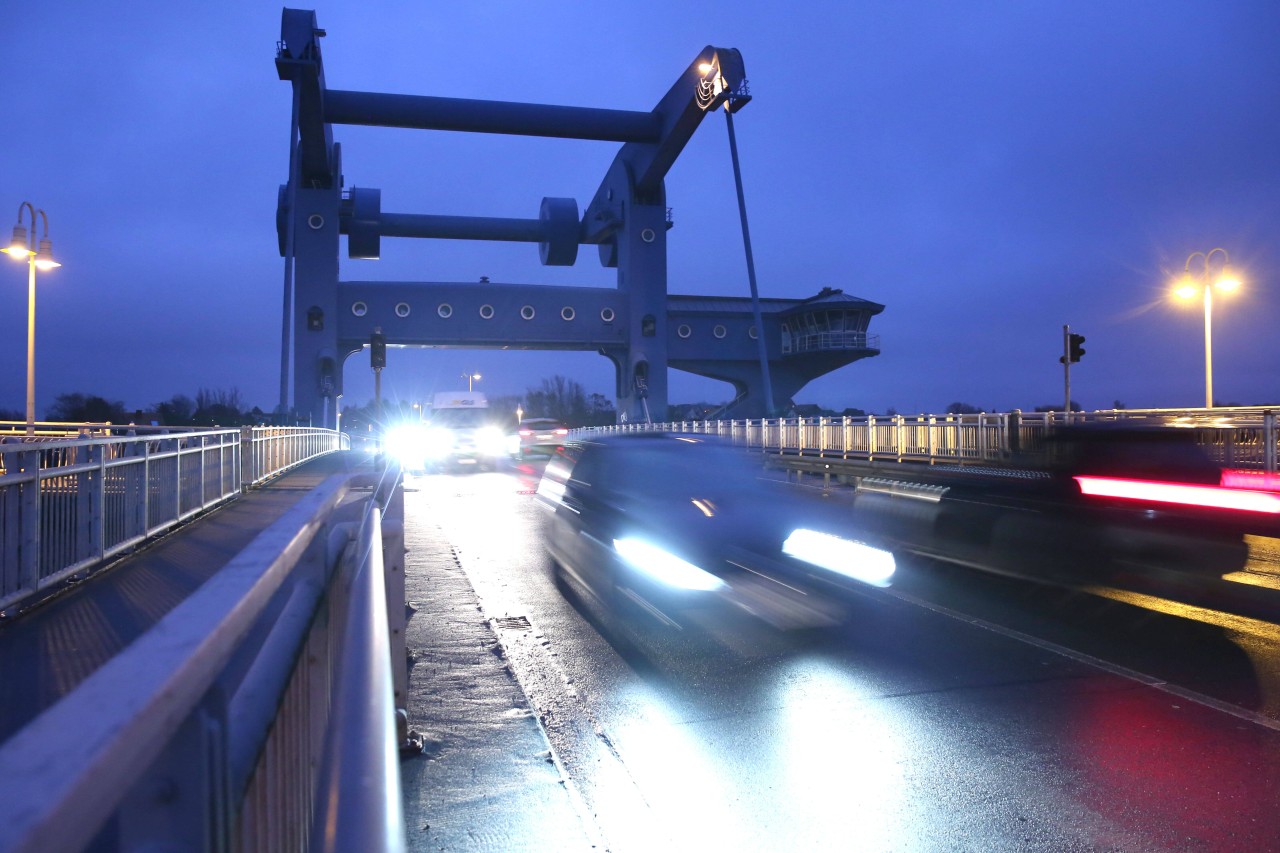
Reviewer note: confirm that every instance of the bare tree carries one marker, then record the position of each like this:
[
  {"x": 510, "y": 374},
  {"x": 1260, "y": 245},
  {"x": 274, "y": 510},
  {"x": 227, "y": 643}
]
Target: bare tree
[
  {"x": 559, "y": 398},
  {"x": 220, "y": 407},
  {"x": 227, "y": 398}
]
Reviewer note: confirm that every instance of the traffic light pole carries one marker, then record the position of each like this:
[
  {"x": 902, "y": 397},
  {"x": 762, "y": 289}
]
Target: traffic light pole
[
  {"x": 1066, "y": 367},
  {"x": 378, "y": 360}
]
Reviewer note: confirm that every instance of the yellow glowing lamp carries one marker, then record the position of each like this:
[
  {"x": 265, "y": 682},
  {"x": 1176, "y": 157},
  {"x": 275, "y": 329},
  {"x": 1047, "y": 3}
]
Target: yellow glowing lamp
[
  {"x": 1187, "y": 289},
  {"x": 1227, "y": 281},
  {"x": 17, "y": 248},
  {"x": 44, "y": 258},
  {"x": 706, "y": 68}
]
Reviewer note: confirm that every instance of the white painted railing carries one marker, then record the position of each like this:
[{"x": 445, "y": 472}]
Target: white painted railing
[
  {"x": 1242, "y": 438},
  {"x": 67, "y": 504}
]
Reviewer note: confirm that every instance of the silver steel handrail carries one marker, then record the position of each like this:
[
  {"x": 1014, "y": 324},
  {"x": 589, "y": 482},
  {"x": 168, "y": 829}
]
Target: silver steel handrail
[
  {"x": 209, "y": 731},
  {"x": 1239, "y": 437},
  {"x": 359, "y": 799},
  {"x": 69, "y": 504}
]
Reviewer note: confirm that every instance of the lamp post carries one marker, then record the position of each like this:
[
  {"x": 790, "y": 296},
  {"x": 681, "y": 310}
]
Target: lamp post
[
  {"x": 1191, "y": 285},
  {"x": 471, "y": 377},
  {"x": 20, "y": 248}
]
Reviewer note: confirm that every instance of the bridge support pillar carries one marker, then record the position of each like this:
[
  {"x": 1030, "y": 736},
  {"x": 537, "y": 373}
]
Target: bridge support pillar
[
  {"x": 317, "y": 377},
  {"x": 639, "y": 249}
]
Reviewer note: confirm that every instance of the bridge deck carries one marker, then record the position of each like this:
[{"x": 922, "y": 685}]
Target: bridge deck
[{"x": 46, "y": 652}]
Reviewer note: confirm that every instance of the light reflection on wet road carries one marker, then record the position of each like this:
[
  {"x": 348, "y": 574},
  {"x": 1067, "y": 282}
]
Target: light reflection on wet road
[{"x": 917, "y": 727}]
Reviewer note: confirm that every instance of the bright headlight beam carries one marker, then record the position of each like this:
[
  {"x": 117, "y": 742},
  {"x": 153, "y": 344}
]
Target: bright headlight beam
[
  {"x": 843, "y": 556},
  {"x": 491, "y": 441},
  {"x": 437, "y": 443},
  {"x": 405, "y": 443},
  {"x": 664, "y": 566}
]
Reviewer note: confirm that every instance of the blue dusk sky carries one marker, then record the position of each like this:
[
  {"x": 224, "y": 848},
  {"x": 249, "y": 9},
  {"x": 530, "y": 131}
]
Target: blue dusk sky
[{"x": 989, "y": 171}]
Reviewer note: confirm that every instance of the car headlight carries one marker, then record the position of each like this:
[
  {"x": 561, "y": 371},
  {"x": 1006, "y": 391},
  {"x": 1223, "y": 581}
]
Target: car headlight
[
  {"x": 842, "y": 556},
  {"x": 491, "y": 442},
  {"x": 664, "y": 566},
  {"x": 437, "y": 443},
  {"x": 405, "y": 443}
]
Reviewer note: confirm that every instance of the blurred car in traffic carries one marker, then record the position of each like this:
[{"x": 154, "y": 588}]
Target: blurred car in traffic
[
  {"x": 665, "y": 524},
  {"x": 1096, "y": 503},
  {"x": 540, "y": 436}
]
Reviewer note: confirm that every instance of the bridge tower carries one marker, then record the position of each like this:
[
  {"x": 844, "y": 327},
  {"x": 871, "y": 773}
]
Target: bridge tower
[{"x": 641, "y": 328}]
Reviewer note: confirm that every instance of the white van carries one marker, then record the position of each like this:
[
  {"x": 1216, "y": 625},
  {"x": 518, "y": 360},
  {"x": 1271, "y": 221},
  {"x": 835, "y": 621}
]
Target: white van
[{"x": 460, "y": 431}]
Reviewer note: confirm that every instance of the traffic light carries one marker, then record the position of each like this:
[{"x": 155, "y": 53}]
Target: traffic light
[
  {"x": 1075, "y": 346},
  {"x": 378, "y": 350}
]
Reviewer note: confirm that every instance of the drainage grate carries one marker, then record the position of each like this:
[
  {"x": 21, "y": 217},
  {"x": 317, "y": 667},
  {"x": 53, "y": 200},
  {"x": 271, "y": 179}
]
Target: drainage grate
[{"x": 518, "y": 623}]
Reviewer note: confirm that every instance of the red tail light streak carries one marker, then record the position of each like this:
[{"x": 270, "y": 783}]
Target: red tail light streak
[{"x": 1185, "y": 494}]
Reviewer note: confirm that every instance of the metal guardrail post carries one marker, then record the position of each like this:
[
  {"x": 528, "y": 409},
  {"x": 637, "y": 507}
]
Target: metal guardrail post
[
  {"x": 29, "y": 553},
  {"x": 1269, "y": 440},
  {"x": 177, "y": 478},
  {"x": 246, "y": 457},
  {"x": 97, "y": 503}
]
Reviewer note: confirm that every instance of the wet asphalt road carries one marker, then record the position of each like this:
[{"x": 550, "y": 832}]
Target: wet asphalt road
[{"x": 958, "y": 711}]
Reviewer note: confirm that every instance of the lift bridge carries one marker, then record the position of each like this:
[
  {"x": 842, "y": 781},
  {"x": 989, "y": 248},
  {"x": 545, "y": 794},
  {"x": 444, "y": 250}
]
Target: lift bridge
[{"x": 768, "y": 349}]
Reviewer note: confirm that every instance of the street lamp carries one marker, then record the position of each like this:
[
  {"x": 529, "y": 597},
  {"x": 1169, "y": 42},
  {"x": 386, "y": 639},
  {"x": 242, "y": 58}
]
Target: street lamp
[
  {"x": 471, "y": 377},
  {"x": 20, "y": 248},
  {"x": 1191, "y": 285}
]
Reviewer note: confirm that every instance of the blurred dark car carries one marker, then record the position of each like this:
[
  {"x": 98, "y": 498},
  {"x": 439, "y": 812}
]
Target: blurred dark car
[
  {"x": 667, "y": 523},
  {"x": 541, "y": 436},
  {"x": 1096, "y": 503}
]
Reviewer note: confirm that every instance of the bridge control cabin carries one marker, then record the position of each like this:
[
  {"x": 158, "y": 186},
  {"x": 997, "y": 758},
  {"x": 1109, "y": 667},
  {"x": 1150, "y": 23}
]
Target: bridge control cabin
[{"x": 830, "y": 322}]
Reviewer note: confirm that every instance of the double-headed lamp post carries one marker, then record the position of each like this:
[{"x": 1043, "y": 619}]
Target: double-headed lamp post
[
  {"x": 1193, "y": 284},
  {"x": 471, "y": 379},
  {"x": 41, "y": 255}
]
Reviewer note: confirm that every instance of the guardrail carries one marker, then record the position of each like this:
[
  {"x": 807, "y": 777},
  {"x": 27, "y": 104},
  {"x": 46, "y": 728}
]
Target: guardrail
[
  {"x": 258, "y": 714},
  {"x": 69, "y": 504},
  {"x": 1240, "y": 438}
]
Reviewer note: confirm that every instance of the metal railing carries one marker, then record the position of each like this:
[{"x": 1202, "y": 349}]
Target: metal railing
[
  {"x": 823, "y": 341},
  {"x": 258, "y": 714},
  {"x": 69, "y": 504},
  {"x": 1240, "y": 438}
]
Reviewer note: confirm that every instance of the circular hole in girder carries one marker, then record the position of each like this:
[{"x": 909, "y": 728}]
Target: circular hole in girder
[
  {"x": 527, "y": 312},
  {"x": 402, "y": 309},
  {"x": 445, "y": 310},
  {"x": 683, "y": 330},
  {"x": 751, "y": 332},
  {"x": 719, "y": 331},
  {"x": 315, "y": 222},
  {"x": 486, "y": 312},
  {"x": 648, "y": 235},
  {"x": 359, "y": 309},
  {"x": 567, "y": 313},
  {"x": 607, "y": 315}
]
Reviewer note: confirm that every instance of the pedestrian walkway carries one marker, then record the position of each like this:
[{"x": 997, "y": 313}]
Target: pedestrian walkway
[
  {"x": 47, "y": 651},
  {"x": 487, "y": 780}
]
